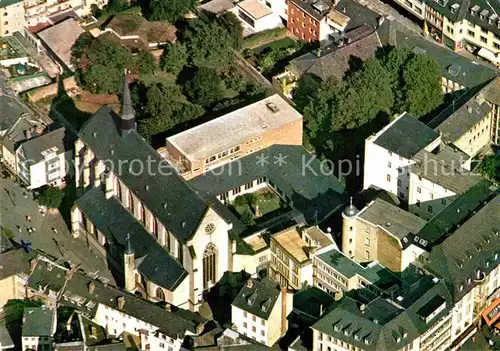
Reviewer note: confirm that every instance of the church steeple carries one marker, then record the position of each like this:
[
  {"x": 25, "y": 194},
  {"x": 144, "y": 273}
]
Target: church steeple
[{"x": 127, "y": 117}]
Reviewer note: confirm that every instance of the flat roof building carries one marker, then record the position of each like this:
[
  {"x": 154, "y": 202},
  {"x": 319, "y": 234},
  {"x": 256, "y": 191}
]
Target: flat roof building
[{"x": 238, "y": 133}]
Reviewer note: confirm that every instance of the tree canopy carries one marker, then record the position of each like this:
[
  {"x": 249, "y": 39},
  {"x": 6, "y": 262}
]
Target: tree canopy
[
  {"x": 51, "y": 197},
  {"x": 205, "y": 87},
  {"x": 490, "y": 167},
  {"x": 174, "y": 58},
  {"x": 169, "y": 10},
  {"x": 209, "y": 43},
  {"x": 100, "y": 63}
]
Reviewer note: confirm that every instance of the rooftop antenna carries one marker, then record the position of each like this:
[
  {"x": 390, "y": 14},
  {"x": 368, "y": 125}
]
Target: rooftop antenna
[
  {"x": 316, "y": 217},
  {"x": 350, "y": 200}
]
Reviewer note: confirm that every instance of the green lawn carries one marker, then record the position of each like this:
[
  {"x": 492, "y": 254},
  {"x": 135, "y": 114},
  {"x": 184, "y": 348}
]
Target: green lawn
[
  {"x": 266, "y": 200},
  {"x": 275, "y": 45}
]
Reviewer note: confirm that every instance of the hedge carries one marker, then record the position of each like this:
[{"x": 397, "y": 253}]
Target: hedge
[{"x": 265, "y": 36}]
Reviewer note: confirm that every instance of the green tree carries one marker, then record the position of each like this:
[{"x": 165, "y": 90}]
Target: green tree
[
  {"x": 165, "y": 107},
  {"x": 174, "y": 58},
  {"x": 304, "y": 92},
  {"x": 394, "y": 62},
  {"x": 267, "y": 61},
  {"x": 205, "y": 87},
  {"x": 51, "y": 197},
  {"x": 247, "y": 218},
  {"x": 366, "y": 93},
  {"x": 169, "y": 10},
  {"x": 232, "y": 25},
  {"x": 146, "y": 62},
  {"x": 115, "y": 6},
  {"x": 208, "y": 43},
  {"x": 490, "y": 167},
  {"x": 100, "y": 64},
  {"x": 422, "y": 91}
]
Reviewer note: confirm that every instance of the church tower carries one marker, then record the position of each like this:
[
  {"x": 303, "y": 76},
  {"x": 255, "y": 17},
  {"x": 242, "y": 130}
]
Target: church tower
[
  {"x": 129, "y": 266},
  {"x": 349, "y": 218},
  {"x": 127, "y": 117}
]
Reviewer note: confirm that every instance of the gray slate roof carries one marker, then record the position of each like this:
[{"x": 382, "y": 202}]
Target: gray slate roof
[
  {"x": 259, "y": 299},
  {"x": 14, "y": 262},
  {"x": 334, "y": 61},
  {"x": 470, "y": 252},
  {"x": 173, "y": 324},
  {"x": 313, "y": 194},
  {"x": 463, "y": 119},
  {"x": 16, "y": 134},
  {"x": 37, "y": 321},
  {"x": 167, "y": 195},
  {"x": 455, "y": 213},
  {"x": 393, "y": 322},
  {"x": 115, "y": 223},
  {"x": 5, "y": 339},
  {"x": 406, "y": 136},
  {"x": 470, "y": 73},
  {"x": 12, "y": 109},
  {"x": 59, "y": 138},
  {"x": 445, "y": 169},
  {"x": 396, "y": 221}
]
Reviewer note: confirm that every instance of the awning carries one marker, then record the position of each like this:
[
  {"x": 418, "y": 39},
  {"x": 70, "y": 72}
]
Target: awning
[
  {"x": 488, "y": 55},
  {"x": 492, "y": 313}
]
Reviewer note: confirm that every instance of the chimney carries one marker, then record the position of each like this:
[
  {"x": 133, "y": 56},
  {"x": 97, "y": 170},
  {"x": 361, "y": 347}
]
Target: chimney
[
  {"x": 362, "y": 308},
  {"x": 120, "y": 302},
  {"x": 338, "y": 295},
  {"x": 168, "y": 307},
  {"x": 320, "y": 310},
  {"x": 93, "y": 330},
  {"x": 249, "y": 283},
  {"x": 469, "y": 108},
  {"x": 91, "y": 287},
  {"x": 71, "y": 271},
  {"x": 27, "y": 134},
  {"x": 318, "y": 52}
]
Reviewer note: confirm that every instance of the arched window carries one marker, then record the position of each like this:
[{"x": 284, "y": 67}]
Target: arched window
[
  {"x": 160, "y": 295},
  {"x": 209, "y": 265},
  {"x": 118, "y": 190},
  {"x": 130, "y": 201}
]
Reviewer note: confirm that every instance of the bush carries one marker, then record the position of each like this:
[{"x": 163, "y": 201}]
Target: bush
[
  {"x": 51, "y": 197},
  {"x": 264, "y": 36},
  {"x": 247, "y": 218},
  {"x": 240, "y": 201},
  {"x": 7, "y": 232}
]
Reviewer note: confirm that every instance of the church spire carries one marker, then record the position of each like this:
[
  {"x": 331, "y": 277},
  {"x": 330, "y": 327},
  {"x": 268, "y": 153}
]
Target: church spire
[
  {"x": 129, "y": 250},
  {"x": 127, "y": 117}
]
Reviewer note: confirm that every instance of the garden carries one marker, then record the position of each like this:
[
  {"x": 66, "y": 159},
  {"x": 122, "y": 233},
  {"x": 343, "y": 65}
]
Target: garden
[{"x": 254, "y": 208}]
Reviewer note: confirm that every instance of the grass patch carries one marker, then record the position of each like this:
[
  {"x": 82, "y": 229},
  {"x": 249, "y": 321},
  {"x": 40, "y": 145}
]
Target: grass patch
[
  {"x": 265, "y": 36},
  {"x": 255, "y": 207},
  {"x": 7, "y": 232},
  {"x": 275, "y": 45}
]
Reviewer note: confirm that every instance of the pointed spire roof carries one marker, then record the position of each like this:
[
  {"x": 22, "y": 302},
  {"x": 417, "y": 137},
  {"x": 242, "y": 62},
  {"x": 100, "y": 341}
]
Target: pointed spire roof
[
  {"x": 129, "y": 250},
  {"x": 127, "y": 112}
]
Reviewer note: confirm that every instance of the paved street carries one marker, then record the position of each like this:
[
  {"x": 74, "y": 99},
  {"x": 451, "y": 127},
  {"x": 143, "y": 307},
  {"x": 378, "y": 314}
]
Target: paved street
[{"x": 15, "y": 206}]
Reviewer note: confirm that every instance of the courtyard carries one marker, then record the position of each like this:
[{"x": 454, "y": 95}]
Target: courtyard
[{"x": 256, "y": 207}]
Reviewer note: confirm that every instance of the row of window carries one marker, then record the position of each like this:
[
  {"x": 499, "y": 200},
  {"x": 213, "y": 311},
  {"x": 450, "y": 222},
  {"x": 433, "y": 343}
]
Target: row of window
[{"x": 222, "y": 154}]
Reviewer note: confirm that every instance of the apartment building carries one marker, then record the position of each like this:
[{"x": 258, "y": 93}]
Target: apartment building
[
  {"x": 260, "y": 311},
  {"x": 461, "y": 24},
  {"x": 41, "y": 11},
  {"x": 292, "y": 250},
  {"x": 491, "y": 93},
  {"x": 379, "y": 233},
  {"x": 469, "y": 127},
  {"x": 389, "y": 153},
  {"x": 11, "y": 17},
  {"x": 437, "y": 179},
  {"x": 155, "y": 327},
  {"x": 416, "y": 315},
  {"x": 468, "y": 261},
  {"x": 334, "y": 272},
  {"x": 39, "y": 326},
  {"x": 318, "y": 20},
  {"x": 45, "y": 159},
  {"x": 252, "y": 128}
]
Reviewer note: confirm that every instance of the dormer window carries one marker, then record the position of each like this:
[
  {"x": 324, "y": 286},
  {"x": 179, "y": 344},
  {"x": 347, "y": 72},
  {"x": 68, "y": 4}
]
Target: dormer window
[
  {"x": 483, "y": 14},
  {"x": 454, "y": 8},
  {"x": 474, "y": 10}
]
